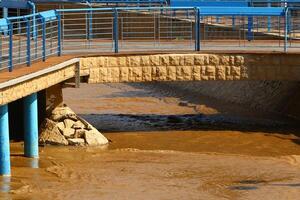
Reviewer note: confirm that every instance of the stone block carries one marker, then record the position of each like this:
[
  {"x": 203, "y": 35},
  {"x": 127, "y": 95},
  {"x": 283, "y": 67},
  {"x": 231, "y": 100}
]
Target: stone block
[
  {"x": 200, "y": 59},
  {"x": 147, "y": 74},
  {"x": 175, "y": 60},
  {"x": 101, "y": 61},
  {"x": 163, "y": 60},
  {"x": 189, "y": 60},
  {"x": 221, "y": 72},
  {"x": 183, "y": 73},
  {"x": 124, "y": 74},
  {"x": 239, "y": 60},
  {"x": 225, "y": 60},
  {"x": 68, "y": 132},
  {"x": 232, "y": 60},
  {"x": 94, "y": 138},
  {"x": 94, "y": 74},
  {"x": 135, "y": 74},
  {"x": 144, "y": 61},
  {"x": 196, "y": 73},
  {"x": 134, "y": 61},
  {"x": 154, "y": 60},
  {"x": 236, "y": 72},
  {"x": 102, "y": 75},
  {"x": 122, "y": 61},
  {"x": 171, "y": 73},
  {"x": 113, "y": 74},
  {"x": 213, "y": 60},
  {"x": 76, "y": 141},
  {"x": 161, "y": 72},
  {"x": 210, "y": 71},
  {"x": 112, "y": 61}
]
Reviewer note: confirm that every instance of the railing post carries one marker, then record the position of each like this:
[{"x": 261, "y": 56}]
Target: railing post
[
  {"x": 250, "y": 27},
  {"x": 59, "y": 31},
  {"x": 286, "y": 22},
  {"x": 28, "y": 28},
  {"x": 269, "y": 18},
  {"x": 4, "y": 141},
  {"x": 10, "y": 54},
  {"x": 44, "y": 38},
  {"x": 90, "y": 16},
  {"x": 116, "y": 31},
  {"x": 197, "y": 29},
  {"x": 5, "y": 15},
  {"x": 31, "y": 148}
]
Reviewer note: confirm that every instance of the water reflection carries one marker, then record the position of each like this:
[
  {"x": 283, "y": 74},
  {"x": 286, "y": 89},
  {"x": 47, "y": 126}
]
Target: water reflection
[
  {"x": 34, "y": 163},
  {"x": 5, "y": 183}
]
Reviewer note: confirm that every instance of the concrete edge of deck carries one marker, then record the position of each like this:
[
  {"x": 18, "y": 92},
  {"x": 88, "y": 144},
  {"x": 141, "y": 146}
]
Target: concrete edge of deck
[
  {"x": 25, "y": 85},
  {"x": 39, "y": 73}
]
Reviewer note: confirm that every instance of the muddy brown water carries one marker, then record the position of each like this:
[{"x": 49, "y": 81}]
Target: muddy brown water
[{"x": 165, "y": 144}]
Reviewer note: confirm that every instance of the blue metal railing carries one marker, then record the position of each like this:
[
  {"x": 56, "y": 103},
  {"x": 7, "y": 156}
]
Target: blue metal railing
[{"x": 37, "y": 36}]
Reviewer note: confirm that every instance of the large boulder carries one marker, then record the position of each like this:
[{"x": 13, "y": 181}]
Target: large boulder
[
  {"x": 61, "y": 113},
  {"x": 94, "y": 138},
  {"x": 50, "y": 134},
  {"x": 64, "y": 127},
  {"x": 76, "y": 141}
]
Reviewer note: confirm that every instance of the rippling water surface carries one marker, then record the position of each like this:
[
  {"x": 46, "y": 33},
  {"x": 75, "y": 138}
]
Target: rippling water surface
[{"x": 165, "y": 144}]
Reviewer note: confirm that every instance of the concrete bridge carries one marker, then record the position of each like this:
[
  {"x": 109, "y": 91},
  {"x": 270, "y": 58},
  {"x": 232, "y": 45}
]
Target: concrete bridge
[{"x": 45, "y": 41}]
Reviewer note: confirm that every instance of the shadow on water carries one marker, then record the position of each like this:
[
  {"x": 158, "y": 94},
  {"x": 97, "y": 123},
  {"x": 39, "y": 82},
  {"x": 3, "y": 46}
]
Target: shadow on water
[
  {"x": 243, "y": 187},
  {"x": 214, "y": 122},
  {"x": 165, "y": 89},
  {"x": 255, "y": 184}
]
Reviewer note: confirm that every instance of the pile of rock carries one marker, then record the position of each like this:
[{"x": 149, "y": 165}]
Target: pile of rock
[{"x": 64, "y": 127}]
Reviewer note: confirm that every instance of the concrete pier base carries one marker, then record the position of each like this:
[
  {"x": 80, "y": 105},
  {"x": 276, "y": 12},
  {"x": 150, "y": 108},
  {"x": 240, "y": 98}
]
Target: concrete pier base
[
  {"x": 4, "y": 142},
  {"x": 31, "y": 126}
]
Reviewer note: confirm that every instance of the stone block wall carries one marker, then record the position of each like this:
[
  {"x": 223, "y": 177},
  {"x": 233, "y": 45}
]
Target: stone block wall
[{"x": 190, "y": 67}]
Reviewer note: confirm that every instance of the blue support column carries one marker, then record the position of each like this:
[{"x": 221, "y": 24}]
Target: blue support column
[
  {"x": 250, "y": 27},
  {"x": 4, "y": 142},
  {"x": 31, "y": 146}
]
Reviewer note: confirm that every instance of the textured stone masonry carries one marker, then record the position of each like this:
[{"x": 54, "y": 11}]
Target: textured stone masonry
[{"x": 191, "y": 67}]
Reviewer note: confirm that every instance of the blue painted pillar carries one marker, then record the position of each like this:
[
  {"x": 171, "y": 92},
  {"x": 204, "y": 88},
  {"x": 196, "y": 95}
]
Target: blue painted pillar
[
  {"x": 4, "y": 141},
  {"x": 31, "y": 146}
]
